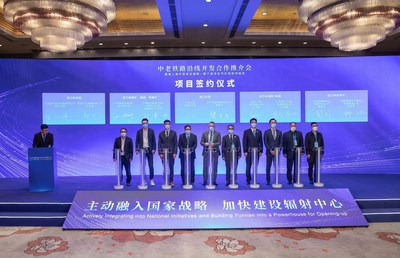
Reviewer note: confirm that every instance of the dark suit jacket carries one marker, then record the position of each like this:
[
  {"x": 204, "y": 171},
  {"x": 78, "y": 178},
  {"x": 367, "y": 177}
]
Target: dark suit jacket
[
  {"x": 182, "y": 143},
  {"x": 216, "y": 141},
  {"x": 249, "y": 141},
  {"x": 128, "y": 147},
  {"x": 309, "y": 142},
  {"x": 170, "y": 142},
  {"x": 151, "y": 138},
  {"x": 227, "y": 143},
  {"x": 39, "y": 143},
  {"x": 270, "y": 142},
  {"x": 288, "y": 144}
]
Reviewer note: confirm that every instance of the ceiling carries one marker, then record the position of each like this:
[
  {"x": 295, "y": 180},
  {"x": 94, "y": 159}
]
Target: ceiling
[{"x": 271, "y": 25}]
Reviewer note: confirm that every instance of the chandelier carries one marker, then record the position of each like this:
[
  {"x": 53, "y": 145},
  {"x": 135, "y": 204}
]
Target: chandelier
[
  {"x": 59, "y": 25},
  {"x": 351, "y": 25}
]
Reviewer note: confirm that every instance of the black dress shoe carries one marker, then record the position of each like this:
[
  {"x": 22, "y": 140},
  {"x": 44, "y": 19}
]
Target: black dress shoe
[
  {"x": 289, "y": 183},
  {"x": 226, "y": 184},
  {"x": 311, "y": 182},
  {"x": 204, "y": 183},
  {"x": 215, "y": 184},
  {"x": 248, "y": 183},
  {"x": 268, "y": 183},
  {"x": 128, "y": 184}
]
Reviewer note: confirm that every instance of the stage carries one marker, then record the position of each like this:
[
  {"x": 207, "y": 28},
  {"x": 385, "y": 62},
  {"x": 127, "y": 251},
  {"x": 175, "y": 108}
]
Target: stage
[{"x": 377, "y": 195}]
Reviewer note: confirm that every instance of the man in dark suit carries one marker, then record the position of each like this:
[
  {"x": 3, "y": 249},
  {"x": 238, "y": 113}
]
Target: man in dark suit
[
  {"x": 252, "y": 138},
  {"x": 43, "y": 139},
  {"x": 210, "y": 140},
  {"x": 291, "y": 140},
  {"x": 125, "y": 145},
  {"x": 146, "y": 139},
  {"x": 313, "y": 140},
  {"x": 272, "y": 139},
  {"x": 230, "y": 142},
  {"x": 187, "y": 140},
  {"x": 167, "y": 139}
]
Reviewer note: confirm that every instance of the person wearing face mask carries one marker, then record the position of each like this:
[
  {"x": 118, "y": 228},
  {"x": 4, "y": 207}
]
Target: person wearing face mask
[
  {"x": 187, "y": 140},
  {"x": 210, "y": 139},
  {"x": 125, "y": 145},
  {"x": 146, "y": 139},
  {"x": 272, "y": 139},
  {"x": 252, "y": 138},
  {"x": 229, "y": 142},
  {"x": 313, "y": 140},
  {"x": 291, "y": 140},
  {"x": 168, "y": 139}
]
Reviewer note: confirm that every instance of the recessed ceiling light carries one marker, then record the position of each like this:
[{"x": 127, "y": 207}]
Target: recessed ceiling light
[
  {"x": 100, "y": 44},
  {"x": 203, "y": 42},
  {"x": 208, "y": 1},
  {"x": 126, "y": 43},
  {"x": 253, "y": 42},
  {"x": 305, "y": 43},
  {"x": 205, "y": 25},
  {"x": 264, "y": 13},
  {"x": 228, "y": 42},
  {"x": 1, "y": 45},
  {"x": 279, "y": 42},
  {"x": 152, "y": 42}
]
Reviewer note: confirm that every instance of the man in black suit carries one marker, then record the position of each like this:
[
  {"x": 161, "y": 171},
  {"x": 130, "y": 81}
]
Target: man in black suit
[
  {"x": 187, "y": 140},
  {"x": 167, "y": 140},
  {"x": 125, "y": 145},
  {"x": 210, "y": 140},
  {"x": 291, "y": 140},
  {"x": 146, "y": 139},
  {"x": 313, "y": 140},
  {"x": 43, "y": 139},
  {"x": 252, "y": 138},
  {"x": 230, "y": 142},
  {"x": 272, "y": 139}
]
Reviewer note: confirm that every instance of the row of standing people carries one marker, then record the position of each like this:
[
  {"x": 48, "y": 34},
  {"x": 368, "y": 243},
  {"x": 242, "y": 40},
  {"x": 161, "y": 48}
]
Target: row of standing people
[{"x": 211, "y": 141}]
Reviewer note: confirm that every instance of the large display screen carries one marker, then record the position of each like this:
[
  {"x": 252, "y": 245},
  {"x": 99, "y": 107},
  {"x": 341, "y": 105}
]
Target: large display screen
[{"x": 355, "y": 100}]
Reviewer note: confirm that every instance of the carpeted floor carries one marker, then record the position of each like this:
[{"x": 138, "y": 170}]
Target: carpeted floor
[{"x": 378, "y": 240}]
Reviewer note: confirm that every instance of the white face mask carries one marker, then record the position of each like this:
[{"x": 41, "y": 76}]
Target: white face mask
[
  {"x": 167, "y": 127},
  {"x": 187, "y": 131},
  {"x": 211, "y": 129},
  {"x": 293, "y": 128},
  {"x": 145, "y": 125},
  {"x": 315, "y": 128},
  {"x": 253, "y": 125},
  {"x": 273, "y": 125},
  {"x": 123, "y": 134},
  {"x": 230, "y": 131}
]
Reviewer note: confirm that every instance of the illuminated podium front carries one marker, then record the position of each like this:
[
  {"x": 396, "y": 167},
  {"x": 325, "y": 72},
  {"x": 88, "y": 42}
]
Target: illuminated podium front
[{"x": 42, "y": 169}]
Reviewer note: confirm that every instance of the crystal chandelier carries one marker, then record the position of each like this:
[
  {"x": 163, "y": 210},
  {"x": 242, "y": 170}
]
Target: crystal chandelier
[
  {"x": 59, "y": 25},
  {"x": 351, "y": 25}
]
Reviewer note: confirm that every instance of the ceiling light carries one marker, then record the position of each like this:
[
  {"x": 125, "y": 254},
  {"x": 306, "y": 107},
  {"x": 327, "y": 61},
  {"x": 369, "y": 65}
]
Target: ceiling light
[
  {"x": 264, "y": 13},
  {"x": 305, "y": 43},
  {"x": 205, "y": 25},
  {"x": 152, "y": 42},
  {"x": 351, "y": 25},
  {"x": 100, "y": 44},
  {"x": 228, "y": 42},
  {"x": 253, "y": 42},
  {"x": 126, "y": 43},
  {"x": 279, "y": 42},
  {"x": 203, "y": 42},
  {"x": 59, "y": 25},
  {"x": 208, "y": 1}
]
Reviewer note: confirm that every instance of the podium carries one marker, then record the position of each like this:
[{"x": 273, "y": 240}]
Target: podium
[{"x": 42, "y": 169}]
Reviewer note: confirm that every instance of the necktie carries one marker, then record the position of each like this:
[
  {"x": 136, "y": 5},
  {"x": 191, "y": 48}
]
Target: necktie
[
  {"x": 315, "y": 141},
  {"x": 44, "y": 137},
  {"x": 211, "y": 137},
  {"x": 274, "y": 134},
  {"x": 187, "y": 140},
  {"x": 167, "y": 133},
  {"x": 294, "y": 140},
  {"x": 254, "y": 133}
]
